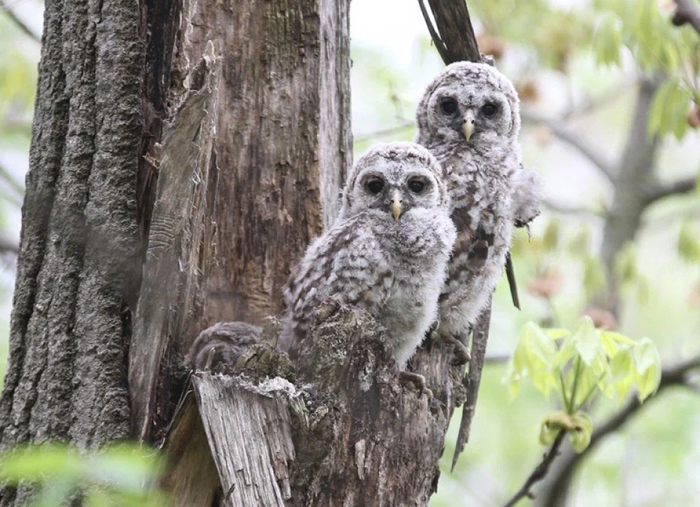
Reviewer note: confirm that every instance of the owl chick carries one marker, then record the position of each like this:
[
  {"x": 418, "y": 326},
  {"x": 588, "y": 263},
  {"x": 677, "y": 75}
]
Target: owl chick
[
  {"x": 386, "y": 253},
  {"x": 469, "y": 118}
]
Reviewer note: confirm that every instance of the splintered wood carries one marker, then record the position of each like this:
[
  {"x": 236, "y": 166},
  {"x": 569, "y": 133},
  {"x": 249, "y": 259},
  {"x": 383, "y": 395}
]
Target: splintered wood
[{"x": 249, "y": 433}]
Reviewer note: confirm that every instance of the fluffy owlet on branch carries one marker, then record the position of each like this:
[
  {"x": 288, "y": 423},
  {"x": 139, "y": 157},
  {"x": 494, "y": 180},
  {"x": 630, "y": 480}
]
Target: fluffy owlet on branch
[
  {"x": 469, "y": 118},
  {"x": 386, "y": 253}
]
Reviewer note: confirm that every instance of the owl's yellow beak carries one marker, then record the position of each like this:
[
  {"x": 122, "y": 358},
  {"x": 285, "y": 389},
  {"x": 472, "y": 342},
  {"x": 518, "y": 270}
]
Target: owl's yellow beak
[
  {"x": 396, "y": 208},
  {"x": 468, "y": 124}
]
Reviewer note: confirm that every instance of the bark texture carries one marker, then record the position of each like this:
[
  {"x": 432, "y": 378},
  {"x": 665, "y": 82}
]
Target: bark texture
[
  {"x": 245, "y": 185},
  {"x": 78, "y": 262},
  {"x": 346, "y": 432}
]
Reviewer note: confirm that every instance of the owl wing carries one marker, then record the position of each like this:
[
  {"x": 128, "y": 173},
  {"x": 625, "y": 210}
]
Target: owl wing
[{"x": 346, "y": 266}]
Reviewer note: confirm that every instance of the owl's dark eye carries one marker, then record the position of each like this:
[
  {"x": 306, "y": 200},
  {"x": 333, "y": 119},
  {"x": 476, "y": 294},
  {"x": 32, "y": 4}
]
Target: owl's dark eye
[
  {"x": 375, "y": 186},
  {"x": 489, "y": 109},
  {"x": 448, "y": 106},
  {"x": 416, "y": 186}
]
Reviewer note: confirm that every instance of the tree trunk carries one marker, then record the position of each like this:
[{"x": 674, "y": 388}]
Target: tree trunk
[
  {"x": 184, "y": 154},
  {"x": 251, "y": 167},
  {"x": 78, "y": 262}
]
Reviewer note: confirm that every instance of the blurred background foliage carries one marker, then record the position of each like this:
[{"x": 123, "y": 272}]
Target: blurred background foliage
[{"x": 619, "y": 240}]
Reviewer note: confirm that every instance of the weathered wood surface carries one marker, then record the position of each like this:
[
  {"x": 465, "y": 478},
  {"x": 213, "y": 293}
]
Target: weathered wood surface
[
  {"x": 347, "y": 433},
  {"x": 249, "y": 432},
  {"x": 372, "y": 441},
  {"x": 246, "y": 193}
]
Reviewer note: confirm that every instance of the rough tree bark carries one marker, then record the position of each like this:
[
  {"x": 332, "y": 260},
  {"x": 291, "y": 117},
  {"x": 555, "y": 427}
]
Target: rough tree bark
[{"x": 78, "y": 260}]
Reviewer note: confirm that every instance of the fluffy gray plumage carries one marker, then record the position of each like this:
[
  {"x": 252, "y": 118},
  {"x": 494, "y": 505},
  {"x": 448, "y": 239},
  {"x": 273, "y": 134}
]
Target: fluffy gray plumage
[
  {"x": 387, "y": 260},
  {"x": 469, "y": 118}
]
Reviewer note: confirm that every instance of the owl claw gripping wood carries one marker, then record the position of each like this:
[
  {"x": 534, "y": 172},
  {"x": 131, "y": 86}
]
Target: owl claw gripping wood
[{"x": 469, "y": 118}]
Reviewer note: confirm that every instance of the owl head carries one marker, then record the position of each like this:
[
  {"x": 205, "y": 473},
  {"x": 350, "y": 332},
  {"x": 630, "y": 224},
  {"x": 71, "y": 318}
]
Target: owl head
[
  {"x": 471, "y": 104},
  {"x": 394, "y": 178}
]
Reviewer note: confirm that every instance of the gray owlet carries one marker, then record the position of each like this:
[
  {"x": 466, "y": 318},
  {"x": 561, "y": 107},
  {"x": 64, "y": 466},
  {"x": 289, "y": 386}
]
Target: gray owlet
[
  {"x": 469, "y": 118},
  {"x": 386, "y": 253}
]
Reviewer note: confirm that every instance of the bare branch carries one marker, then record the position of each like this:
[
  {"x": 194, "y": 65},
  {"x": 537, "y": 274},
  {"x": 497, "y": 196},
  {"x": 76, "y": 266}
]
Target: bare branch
[
  {"x": 539, "y": 472},
  {"x": 439, "y": 45},
  {"x": 575, "y": 141},
  {"x": 588, "y": 105},
  {"x": 497, "y": 358},
  {"x": 688, "y": 11},
  {"x": 677, "y": 187},
  {"x": 557, "y": 485},
  {"x": 572, "y": 210},
  {"x": 385, "y": 132},
  {"x": 7, "y": 246},
  {"x": 454, "y": 37},
  {"x": 20, "y": 24}
]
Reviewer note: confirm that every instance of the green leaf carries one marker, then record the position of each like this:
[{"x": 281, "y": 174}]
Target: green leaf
[
  {"x": 578, "y": 426},
  {"x": 594, "y": 278},
  {"x": 689, "y": 243},
  {"x": 647, "y": 367},
  {"x": 607, "y": 42},
  {"x": 581, "y": 432},
  {"x": 586, "y": 340},
  {"x": 617, "y": 337},
  {"x": 626, "y": 263},
  {"x": 558, "y": 333},
  {"x": 533, "y": 357},
  {"x": 550, "y": 240},
  {"x": 579, "y": 244},
  {"x": 623, "y": 372},
  {"x": 39, "y": 462}
]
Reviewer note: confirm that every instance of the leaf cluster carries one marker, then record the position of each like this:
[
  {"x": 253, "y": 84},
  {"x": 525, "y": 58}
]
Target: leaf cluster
[
  {"x": 578, "y": 365},
  {"x": 118, "y": 475}
]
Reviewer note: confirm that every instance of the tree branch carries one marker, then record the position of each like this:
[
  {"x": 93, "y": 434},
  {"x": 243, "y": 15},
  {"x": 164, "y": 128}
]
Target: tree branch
[
  {"x": 385, "y": 132},
  {"x": 539, "y": 472},
  {"x": 7, "y": 246},
  {"x": 682, "y": 186},
  {"x": 572, "y": 210},
  {"x": 558, "y": 484},
  {"x": 454, "y": 36},
  {"x": 688, "y": 11},
  {"x": 20, "y": 24},
  {"x": 575, "y": 141}
]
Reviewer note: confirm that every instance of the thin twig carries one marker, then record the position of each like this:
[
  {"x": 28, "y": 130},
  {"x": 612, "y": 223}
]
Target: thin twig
[
  {"x": 7, "y": 246},
  {"x": 677, "y": 187},
  {"x": 439, "y": 45},
  {"x": 497, "y": 358},
  {"x": 539, "y": 472},
  {"x": 385, "y": 132},
  {"x": 589, "y": 105},
  {"x": 572, "y": 210},
  {"x": 20, "y": 24},
  {"x": 575, "y": 141}
]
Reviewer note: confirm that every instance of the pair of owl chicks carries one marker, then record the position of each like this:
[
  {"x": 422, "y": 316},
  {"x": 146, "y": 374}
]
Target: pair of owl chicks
[{"x": 424, "y": 228}]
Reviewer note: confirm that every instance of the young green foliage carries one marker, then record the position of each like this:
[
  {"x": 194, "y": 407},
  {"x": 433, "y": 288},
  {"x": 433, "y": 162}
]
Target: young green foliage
[
  {"x": 118, "y": 475},
  {"x": 578, "y": 366}
]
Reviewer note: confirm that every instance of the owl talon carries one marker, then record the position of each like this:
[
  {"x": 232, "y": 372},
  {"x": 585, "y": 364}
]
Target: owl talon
[
  {"x": 418, "y": 380},
  {"x": 460, "y": 350}
]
